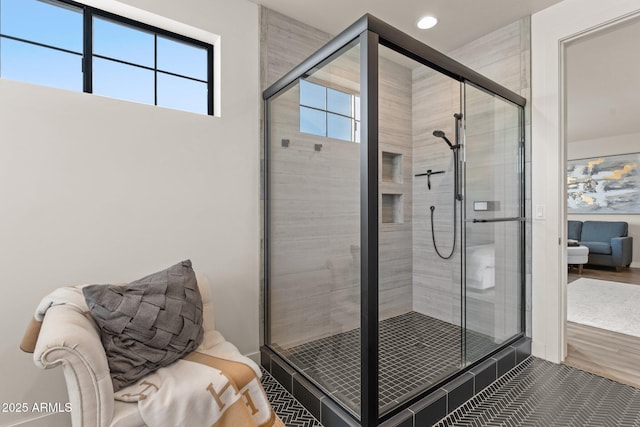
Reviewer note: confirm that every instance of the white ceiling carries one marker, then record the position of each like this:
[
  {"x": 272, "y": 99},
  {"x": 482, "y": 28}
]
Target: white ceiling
[
  {"x": 603, "y": 83},
  {"x": 460, "y": 21}
]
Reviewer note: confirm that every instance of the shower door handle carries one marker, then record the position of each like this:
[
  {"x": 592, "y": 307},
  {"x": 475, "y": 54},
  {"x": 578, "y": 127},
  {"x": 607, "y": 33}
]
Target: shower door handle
[{"x": 515, "y": 218}]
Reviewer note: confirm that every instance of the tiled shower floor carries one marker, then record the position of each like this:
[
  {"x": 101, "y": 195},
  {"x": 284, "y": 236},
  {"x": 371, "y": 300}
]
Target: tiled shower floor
[{"x": 415, "y": 352}]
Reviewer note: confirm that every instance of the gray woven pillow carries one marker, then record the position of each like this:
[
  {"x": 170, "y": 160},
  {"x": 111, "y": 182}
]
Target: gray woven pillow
[{"x": 149, "y": 323}]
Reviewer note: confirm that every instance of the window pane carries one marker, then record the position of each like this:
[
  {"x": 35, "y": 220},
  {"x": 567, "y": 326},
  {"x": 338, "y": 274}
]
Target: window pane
[
  {"x": 356, "y": 107},
  {"x": 312, "y": 121},
  {"x": 42, "y": 22},
  {"x": 40, "y": 65},
  {"x": 339, "y": 102},
  {"x": 339, "y": 127},
  {"x": 181, "y": 58},
  {"x": 122, "y": 42},
  {"x": 122, "y": 81},
  {"x": 182, "y": 94},
  {"x": 313, "y": 95}
]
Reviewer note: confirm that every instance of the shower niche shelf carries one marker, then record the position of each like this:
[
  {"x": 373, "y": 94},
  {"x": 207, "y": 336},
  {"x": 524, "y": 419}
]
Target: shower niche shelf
[
  {"x": 392, "y": 209},
  {"x": 391, "y": 167}
]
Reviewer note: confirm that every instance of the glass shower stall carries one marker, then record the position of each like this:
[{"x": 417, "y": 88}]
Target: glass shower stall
[{"x": 394, "y": 219}]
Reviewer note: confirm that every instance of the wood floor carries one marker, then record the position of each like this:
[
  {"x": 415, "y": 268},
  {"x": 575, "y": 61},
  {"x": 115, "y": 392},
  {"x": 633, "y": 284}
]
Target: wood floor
[
  {"x": 627, "y": 275},
  {"x": 605, "y": 353}
]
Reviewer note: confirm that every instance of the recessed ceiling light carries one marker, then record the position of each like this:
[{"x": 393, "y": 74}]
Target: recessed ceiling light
[{"x": 427, "y": 22}]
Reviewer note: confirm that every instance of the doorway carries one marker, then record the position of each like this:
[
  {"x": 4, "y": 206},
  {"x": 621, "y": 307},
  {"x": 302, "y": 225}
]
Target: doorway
[{"x": 601, "y": 127}]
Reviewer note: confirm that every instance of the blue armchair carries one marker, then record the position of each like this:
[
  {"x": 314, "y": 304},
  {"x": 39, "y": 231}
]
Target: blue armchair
[{"x": 608, "y": 241}]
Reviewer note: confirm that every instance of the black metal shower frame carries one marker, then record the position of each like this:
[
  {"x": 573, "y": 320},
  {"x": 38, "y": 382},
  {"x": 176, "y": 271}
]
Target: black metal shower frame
[{"x": 371, "y": 32}]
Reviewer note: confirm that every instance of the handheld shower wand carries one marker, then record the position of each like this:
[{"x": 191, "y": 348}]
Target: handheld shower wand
[
  {"x": 455, "y": 148},
  {"x": 441, "y": 134},
  {"x": 457, "y": 195}
]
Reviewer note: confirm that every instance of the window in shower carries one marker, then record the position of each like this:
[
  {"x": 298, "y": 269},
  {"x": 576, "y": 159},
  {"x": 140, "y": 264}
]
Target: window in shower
[{"x": 329, "y": 112}]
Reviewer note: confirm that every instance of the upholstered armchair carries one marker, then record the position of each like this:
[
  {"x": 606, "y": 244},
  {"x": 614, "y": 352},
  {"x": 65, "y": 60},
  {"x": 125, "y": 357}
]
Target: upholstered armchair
[
  {"x": 608, "y": 241},
  {"x": 69, "y": 337}
]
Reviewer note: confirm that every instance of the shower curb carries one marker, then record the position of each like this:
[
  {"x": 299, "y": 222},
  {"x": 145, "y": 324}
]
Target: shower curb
[{"x": 425, "y": 412}]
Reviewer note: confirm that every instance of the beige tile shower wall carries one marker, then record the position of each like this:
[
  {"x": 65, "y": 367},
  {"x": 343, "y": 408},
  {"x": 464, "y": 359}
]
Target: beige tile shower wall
[
  {"x": 315, "y": 245},
  {"x": 436, "y": 281},
  {"x": 396, "y": 239},
  {"x": 315, "y": 229},
  {"x": 503, "y": 56},
  {"x": 285, "y": 43}
]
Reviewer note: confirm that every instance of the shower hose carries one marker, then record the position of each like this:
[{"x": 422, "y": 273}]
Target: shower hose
[{"x": 455, "y": 198}]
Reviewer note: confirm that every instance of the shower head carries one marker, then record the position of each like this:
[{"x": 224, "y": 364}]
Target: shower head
[{"x": 440, "y": 134}]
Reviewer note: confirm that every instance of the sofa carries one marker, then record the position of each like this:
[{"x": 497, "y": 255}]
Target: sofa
[{"x": 608, "y": 241}]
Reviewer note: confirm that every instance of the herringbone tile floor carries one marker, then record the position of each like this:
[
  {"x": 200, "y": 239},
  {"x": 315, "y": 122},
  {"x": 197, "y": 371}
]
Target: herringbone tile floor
[
  {"x": 290, "y": 411},
  {"x": 534, "y": 394},
  {"x": 541, "y": 393}
]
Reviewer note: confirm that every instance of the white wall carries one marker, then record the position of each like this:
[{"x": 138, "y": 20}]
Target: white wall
[
  {"x": 549, "y": 29},
  {"x": 610, "y": 146},
  {"x": 97, "y": 190}
]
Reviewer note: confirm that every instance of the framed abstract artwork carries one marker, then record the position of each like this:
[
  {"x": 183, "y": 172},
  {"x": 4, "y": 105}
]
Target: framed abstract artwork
[{"x": 606, "y": 185}]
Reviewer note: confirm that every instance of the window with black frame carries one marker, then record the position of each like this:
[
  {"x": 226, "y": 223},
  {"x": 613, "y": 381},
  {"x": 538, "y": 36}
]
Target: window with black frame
[{"x": 44, "y": 42}]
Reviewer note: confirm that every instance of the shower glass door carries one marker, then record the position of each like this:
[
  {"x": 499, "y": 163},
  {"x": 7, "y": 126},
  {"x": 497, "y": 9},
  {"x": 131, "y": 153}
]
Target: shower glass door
[
  {"x": 493, "y": 221},
  {"x": 419, "y": 291}
]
